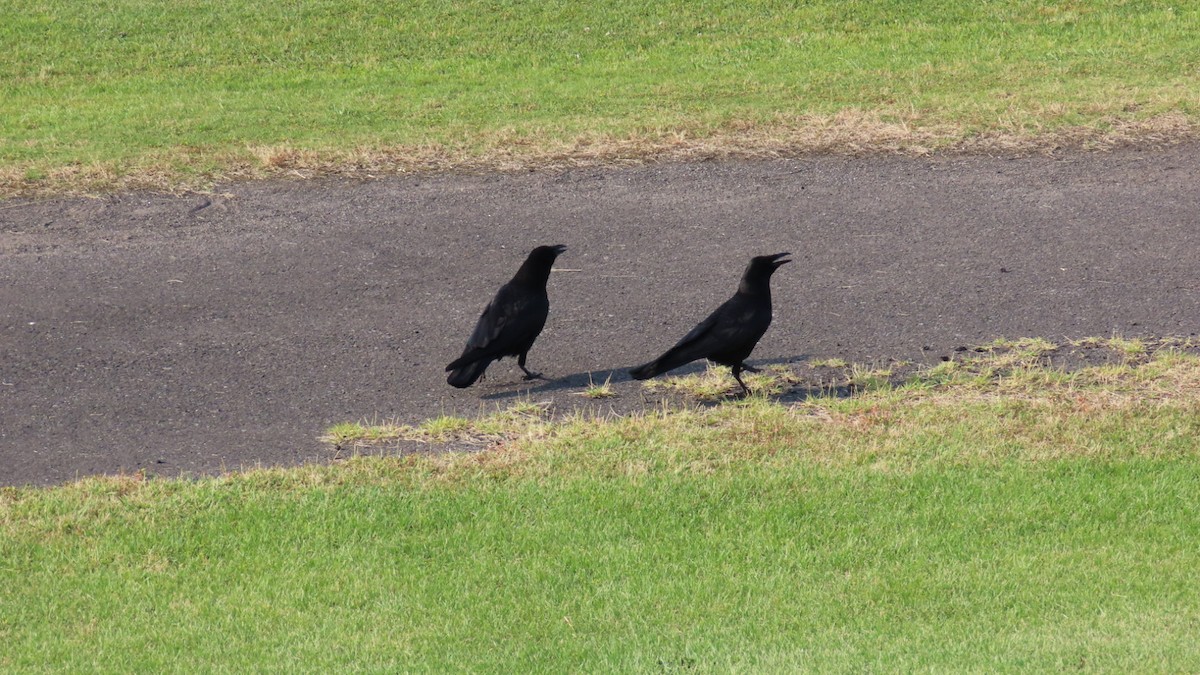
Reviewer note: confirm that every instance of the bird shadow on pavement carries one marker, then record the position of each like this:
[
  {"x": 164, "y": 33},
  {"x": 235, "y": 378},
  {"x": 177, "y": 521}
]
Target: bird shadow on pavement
[
  {"x": 580, "y": 381},
  {"x": 585, "y": 379}
]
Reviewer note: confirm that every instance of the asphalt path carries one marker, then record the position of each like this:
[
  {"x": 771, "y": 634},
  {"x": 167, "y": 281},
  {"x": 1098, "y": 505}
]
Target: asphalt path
[{"x": 199, "y": 333}]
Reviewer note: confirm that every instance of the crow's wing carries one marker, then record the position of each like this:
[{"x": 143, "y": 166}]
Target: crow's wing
[
  {"x": 504, "y": 323},
  {"x": 702, "y": 329},
  {"x": 729, "y": 333},
  {"x": 695, "y": 345}
]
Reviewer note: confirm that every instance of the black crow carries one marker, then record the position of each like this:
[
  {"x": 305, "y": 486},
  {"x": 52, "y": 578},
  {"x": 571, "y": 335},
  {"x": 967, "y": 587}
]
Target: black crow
[
  {"x": 730, "y": 333},
  {"x": 511, "y": 321}
]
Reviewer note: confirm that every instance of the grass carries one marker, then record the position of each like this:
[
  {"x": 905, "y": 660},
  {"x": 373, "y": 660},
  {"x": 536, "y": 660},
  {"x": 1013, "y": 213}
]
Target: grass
[
  {"x": 950, "y": 522},
  {"x": 134, "y": 93},
  {"x": 716, "y": 383},
  {"x": 598, "y": 391}
]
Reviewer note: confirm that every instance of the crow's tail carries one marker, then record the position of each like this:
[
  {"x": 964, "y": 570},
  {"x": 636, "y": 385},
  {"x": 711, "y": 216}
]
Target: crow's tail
[
  {"x": 679, "y": 355},
  {"x": 646, "y": 370},
  {"x": 465, "y": 375}
]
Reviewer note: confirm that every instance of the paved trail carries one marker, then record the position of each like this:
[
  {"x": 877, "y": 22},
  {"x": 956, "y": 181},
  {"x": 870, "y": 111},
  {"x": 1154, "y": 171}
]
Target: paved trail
[{"x": 195, "y": 333}]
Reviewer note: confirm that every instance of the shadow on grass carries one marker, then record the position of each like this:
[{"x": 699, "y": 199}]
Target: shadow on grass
[{"x": 581, "y": 381}]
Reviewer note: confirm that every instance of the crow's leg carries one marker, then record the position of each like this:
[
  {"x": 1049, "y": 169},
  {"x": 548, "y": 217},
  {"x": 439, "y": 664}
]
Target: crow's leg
[
  {"x": 521, "y": 365},
  {"x": 737, "y": 375}
]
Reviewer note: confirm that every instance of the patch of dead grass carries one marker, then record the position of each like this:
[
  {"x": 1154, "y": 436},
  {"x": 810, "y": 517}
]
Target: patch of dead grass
[
  {"x": 717, "y": 383},
  {"x": 849, "y": 132}
]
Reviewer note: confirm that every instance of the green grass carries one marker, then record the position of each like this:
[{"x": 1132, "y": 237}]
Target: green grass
[
  {"x": 953, "y": 523},
  {"x": 716, "y": 383},
  {"x": 598, "y": 391},
  {"x": 140, "y": 92}
]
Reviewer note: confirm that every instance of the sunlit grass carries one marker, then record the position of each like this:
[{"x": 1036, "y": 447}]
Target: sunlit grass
[
  {"x": 973, "y": 518},
  {"x": 599, "y": 391},
  {"x": 139, "y": 93}
]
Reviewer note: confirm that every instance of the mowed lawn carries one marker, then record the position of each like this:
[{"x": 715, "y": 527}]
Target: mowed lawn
[
  {"x": 158, "y": 94},
  {"x": 1028, "y": 522},
  {"x": 1020, "y": 521}
]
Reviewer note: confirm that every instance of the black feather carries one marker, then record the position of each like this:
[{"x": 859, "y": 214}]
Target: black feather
[
  {"x": 511, "y": 322},
  {"x": 730, "y": 333}
]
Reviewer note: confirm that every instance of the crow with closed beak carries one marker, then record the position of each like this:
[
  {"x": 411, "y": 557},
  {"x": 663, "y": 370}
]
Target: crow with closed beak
[
  {"x": 511, "y": 321},
  {"x": 730, "y": 333}
]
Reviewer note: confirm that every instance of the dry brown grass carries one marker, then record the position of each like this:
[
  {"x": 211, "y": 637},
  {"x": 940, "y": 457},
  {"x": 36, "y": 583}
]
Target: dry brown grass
[{"x": 850, "y": 132}]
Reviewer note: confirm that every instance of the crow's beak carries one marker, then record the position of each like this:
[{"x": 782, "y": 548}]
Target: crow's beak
[
  {"x": 560, "y": 249},
  {"x": 777, "y": 259}
]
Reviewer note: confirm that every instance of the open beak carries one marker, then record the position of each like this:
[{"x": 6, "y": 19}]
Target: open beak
[
  {"x": 560, "y": 249},
  {"x": 777, "y": 260}
]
